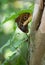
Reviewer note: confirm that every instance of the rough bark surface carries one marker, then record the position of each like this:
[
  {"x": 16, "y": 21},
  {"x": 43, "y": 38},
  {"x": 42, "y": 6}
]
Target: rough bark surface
[{"x": 37, "y": 45}]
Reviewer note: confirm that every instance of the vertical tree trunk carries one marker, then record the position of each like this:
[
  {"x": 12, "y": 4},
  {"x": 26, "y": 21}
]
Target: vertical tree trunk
[{"x": 37, "y": 34}]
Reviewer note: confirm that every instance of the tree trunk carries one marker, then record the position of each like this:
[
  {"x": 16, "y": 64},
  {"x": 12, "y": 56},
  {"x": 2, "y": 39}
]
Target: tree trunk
[{"x": 37, "y": 44}]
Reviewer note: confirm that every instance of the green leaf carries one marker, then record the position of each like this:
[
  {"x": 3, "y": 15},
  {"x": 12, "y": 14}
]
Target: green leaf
[{"x": 17, "y": 13}]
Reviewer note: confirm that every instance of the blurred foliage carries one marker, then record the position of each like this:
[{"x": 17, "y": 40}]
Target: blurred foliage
[{"x": 13, "y": 42}]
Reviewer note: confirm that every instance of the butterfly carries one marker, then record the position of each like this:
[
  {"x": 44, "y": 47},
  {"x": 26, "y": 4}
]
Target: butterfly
[{"x": 22, "y": 21}]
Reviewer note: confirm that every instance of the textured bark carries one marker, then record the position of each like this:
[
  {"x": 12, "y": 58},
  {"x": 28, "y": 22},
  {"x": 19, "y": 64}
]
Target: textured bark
[{"x": 38, "y": 34}]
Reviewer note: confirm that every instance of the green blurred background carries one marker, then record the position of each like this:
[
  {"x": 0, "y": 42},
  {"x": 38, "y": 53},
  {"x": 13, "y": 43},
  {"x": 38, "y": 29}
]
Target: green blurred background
[{"x": 13, "y": 44}]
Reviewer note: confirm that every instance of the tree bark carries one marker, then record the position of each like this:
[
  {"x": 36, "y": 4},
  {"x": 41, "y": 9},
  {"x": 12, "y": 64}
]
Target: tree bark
[{"x": 37, "y": 44}]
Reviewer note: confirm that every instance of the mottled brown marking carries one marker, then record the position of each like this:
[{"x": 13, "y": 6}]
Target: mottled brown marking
[{"x": 20, "y": 21}]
